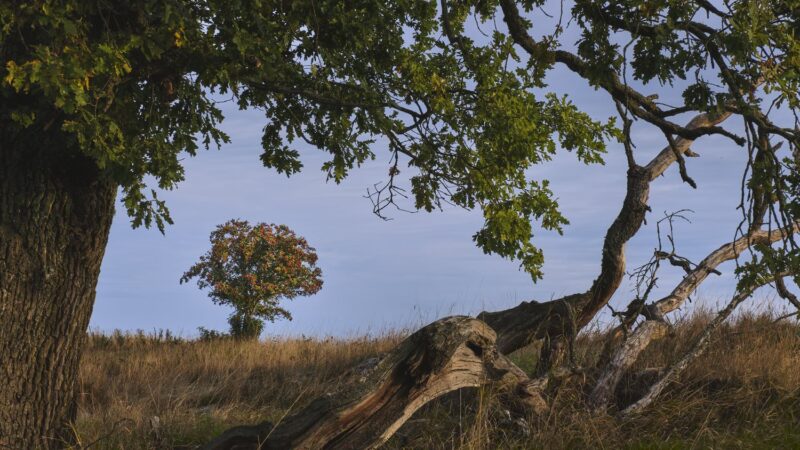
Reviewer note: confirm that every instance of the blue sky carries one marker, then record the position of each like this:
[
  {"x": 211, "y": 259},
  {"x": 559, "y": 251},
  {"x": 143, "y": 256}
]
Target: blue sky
[{"x": 417, "y": 267}]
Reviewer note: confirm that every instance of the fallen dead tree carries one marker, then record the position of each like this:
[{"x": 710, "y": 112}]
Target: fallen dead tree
[
  {"x": 459, "y": 352},
  {"x": 449, "y": 354}
]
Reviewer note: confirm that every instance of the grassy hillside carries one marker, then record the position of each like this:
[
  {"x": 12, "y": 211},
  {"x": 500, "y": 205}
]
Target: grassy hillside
[{"x": 156, "y": 391}]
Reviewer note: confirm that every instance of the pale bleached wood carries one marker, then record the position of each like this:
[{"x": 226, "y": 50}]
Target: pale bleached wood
[
  {"x": 707, "y": 266},
  {"x": 623, "y": 359},
  {"x": 644, "y": 335},
  {"x": 697, "y": 349}
]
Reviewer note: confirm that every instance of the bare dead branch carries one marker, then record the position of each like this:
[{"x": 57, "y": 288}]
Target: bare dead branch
[
  {"x": 696, "y": 350},
  {"x": 708, "y": 265},
  {"x": 627, "y": 354}
]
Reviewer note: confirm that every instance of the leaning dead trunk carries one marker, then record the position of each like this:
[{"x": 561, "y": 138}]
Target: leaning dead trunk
[
  {"x": 446, "y": 355},
  {"x": 55, "y": 214},
  {"x": 622, "y": 361},
  {"x": 628, "y": 352},
  {"x": 697, "y": 349}
]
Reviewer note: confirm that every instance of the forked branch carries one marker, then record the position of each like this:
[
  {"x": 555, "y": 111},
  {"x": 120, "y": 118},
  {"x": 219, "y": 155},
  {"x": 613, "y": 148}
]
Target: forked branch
[{"x": 530, "y": 321}]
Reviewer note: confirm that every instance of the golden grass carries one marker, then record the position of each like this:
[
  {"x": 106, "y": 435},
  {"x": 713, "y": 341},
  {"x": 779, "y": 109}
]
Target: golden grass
[{"x": 153, "y": 392}]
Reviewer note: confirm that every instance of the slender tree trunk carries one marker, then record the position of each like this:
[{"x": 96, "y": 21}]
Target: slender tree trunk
[{"x": 55, "y": 214}]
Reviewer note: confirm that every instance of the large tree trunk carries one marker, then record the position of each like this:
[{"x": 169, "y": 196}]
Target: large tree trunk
[{"x": 55, "y": 214}]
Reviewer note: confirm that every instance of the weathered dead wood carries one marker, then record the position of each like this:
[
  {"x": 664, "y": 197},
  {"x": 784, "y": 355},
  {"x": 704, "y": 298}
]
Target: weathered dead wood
[
  {"x": 622, "y": 361},
  {"x": 697, "y": 349},
  {"x": 460, "y": 352},
  {"x": 446, "y": 355},
  {"x": 641, "y": 338},
  {"x": 725, "y": 253}
]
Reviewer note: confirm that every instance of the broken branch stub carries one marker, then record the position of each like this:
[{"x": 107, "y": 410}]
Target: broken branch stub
[{"x": 448, "y": 354}]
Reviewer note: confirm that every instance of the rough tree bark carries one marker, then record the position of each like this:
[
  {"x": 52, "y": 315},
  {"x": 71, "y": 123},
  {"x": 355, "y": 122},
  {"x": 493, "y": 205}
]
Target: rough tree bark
[
  {"x": 55, "y": 214},
  {"x": 446, "y": 355}
]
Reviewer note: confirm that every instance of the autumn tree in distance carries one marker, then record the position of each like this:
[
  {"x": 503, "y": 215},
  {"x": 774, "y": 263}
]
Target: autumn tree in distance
[{"x": 252, "y": 268}]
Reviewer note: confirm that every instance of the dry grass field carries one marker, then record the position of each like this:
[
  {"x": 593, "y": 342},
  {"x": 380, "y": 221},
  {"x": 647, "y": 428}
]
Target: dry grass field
[{"x": 160, "y": 392}]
